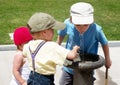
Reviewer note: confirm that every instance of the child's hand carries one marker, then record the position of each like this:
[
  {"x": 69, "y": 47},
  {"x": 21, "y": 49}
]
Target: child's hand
[
  {"x": 76, "y": 48},
  {"x": 73, "y": 53}
]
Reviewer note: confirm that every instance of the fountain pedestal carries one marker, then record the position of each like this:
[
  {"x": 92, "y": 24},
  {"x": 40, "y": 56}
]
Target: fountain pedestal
[{"x": 83, "y": 68}]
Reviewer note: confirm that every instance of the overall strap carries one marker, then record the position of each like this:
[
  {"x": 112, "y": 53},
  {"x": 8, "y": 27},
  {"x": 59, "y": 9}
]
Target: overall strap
[{"x": 34, "y": 54}]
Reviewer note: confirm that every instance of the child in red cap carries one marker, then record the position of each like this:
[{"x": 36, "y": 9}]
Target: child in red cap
[{"x": 20, "y": 67}]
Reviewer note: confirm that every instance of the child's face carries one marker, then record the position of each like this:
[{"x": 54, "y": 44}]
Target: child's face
[
  {"x": 49, "y": 34},
  {"x": 82, "y": 28}
]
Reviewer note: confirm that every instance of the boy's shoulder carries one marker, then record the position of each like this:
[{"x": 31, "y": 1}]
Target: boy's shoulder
[
  {"x": 52, "y": 43},
  {"x": 95, "y": 26},
  {"x": 36, "y": 42},
  {"x": 67, "y": 20}
]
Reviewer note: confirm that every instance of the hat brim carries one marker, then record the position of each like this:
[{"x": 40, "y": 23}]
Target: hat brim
[
  {"x": 59, "y": 25},
  {"x": 82, "y": 19}
]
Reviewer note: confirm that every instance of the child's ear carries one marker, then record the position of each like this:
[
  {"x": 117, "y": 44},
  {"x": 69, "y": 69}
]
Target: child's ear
[{"x": 44, "y": 32}]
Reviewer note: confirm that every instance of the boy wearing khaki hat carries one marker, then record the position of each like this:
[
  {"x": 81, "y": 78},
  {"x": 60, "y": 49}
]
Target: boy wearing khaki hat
[
  {"x": 43, "y": 54},
  {"x": 82, "y": 31}
]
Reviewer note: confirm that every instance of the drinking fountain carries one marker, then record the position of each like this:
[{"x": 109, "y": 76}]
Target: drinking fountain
[{"x": 84, "y": 67}]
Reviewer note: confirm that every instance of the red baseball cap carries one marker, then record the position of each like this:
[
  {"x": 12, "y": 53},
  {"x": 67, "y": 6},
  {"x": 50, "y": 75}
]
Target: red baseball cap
[{"x": 21, "y": 35}]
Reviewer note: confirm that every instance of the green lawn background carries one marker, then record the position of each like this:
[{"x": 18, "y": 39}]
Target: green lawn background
[{"x": 15, "y": 13}]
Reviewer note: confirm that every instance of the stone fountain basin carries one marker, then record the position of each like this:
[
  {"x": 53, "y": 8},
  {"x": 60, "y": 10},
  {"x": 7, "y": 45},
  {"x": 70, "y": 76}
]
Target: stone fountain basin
[
  {"x": 87, "y": 62},
  {"x": 90, "y": 61}
]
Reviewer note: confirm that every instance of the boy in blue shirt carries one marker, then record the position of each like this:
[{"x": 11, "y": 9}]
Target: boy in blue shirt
[{"x": 84, "y": 32}]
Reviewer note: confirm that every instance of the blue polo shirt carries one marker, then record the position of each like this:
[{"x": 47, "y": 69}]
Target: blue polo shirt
[{"x": 88, "y": 41}]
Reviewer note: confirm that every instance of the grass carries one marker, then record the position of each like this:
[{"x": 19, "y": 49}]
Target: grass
[{"x": 15, "y": 13}]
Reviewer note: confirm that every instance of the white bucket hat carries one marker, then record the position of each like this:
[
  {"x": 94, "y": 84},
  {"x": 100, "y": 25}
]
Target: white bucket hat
[{"x": 82, "y": 13}]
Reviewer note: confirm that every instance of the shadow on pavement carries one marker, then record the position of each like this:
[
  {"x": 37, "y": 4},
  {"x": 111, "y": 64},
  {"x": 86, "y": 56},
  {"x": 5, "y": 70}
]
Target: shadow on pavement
[{"x": 101, "y": 78}]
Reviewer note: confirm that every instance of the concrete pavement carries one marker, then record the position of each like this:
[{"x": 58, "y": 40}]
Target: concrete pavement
[
  {"x": 7, "y": 53},
  {"x": 113, "y": 72}
]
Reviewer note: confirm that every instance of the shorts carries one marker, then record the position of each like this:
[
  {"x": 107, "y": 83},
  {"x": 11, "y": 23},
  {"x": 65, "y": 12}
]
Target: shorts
[{"x": 38, "y": 79}]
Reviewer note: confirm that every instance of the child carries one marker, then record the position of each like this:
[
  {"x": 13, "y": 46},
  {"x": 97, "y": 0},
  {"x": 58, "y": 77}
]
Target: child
[
  {"x": 82, "y": 31},
  {"x": 44, "y": 54},
  {"x": 20, "y": 67}
]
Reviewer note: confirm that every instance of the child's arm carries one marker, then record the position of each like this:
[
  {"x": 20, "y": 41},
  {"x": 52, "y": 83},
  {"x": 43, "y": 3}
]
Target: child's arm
[
  {"x": 17, "y": 65},
  {"x": 107, "y": 56},
  {"x": 60, "y": 39},
  {"x": 25, "y": 83},
  {"x": 73, "y": 53}
]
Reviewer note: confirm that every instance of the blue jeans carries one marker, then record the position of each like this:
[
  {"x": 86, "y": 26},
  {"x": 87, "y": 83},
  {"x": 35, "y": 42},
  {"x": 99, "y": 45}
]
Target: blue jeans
[{"x": 38, "y": 79}]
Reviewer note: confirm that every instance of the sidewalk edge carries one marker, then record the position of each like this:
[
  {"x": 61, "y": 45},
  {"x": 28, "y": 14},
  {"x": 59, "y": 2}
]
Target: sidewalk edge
[{"x": 13, "y": 47}]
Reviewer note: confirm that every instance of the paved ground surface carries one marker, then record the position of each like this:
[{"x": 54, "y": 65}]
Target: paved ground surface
[{"x": 7, "y": 52}]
